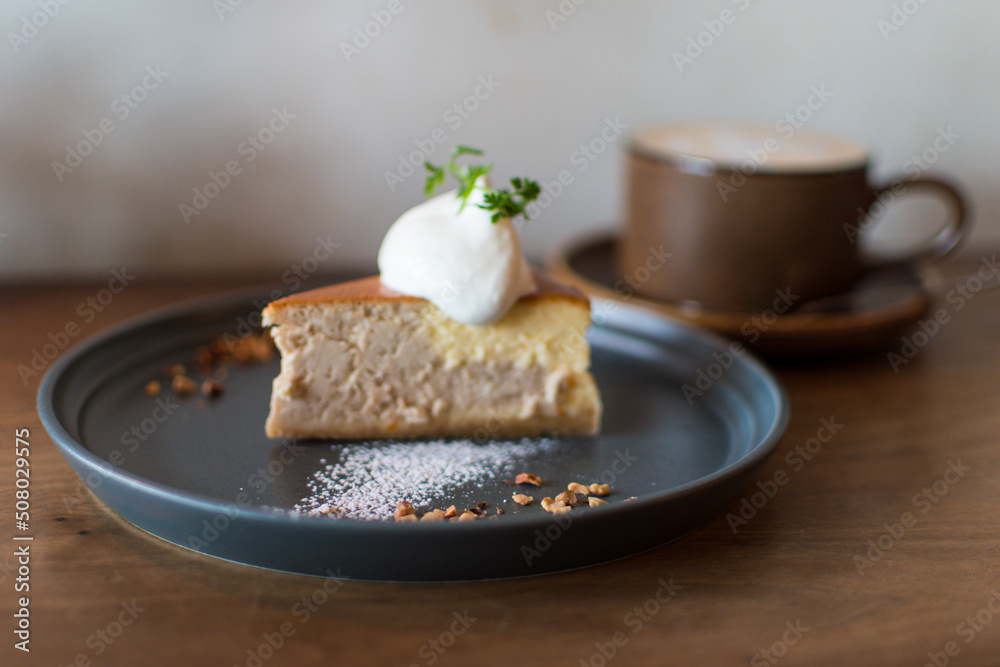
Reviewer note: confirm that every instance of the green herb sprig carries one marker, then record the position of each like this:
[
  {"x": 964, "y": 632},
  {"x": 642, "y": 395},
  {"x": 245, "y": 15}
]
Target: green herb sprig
[{"x": 503, "y": 202}]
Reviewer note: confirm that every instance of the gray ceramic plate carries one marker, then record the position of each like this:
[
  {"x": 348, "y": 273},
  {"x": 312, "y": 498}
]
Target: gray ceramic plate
[{"x": 182, "y": 480}]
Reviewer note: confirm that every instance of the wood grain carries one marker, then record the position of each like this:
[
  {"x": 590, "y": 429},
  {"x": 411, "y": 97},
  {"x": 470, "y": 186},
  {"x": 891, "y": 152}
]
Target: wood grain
[{"x": 796, "y": 561}]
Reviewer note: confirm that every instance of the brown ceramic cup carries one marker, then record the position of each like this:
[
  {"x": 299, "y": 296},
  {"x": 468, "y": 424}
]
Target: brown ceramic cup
[{"x": 728, "y": 215}]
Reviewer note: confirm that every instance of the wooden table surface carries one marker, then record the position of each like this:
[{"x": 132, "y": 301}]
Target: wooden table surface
[{"x": 881, "y": 547}]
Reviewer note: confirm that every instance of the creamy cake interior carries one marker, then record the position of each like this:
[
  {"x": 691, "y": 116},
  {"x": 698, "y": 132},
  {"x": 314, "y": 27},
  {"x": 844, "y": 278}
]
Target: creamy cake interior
[{"x": 361, "y": 361}]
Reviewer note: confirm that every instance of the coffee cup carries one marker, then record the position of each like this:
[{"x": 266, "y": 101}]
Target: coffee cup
[{"x": 738, "y": 212}]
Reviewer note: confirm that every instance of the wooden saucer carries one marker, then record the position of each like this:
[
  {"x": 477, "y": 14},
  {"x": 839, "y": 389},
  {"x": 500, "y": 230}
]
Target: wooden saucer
[{"x": 881, "y": 308}]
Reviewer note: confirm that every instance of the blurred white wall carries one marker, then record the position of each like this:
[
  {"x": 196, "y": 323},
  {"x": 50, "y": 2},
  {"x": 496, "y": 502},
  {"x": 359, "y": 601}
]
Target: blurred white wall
[{"x": 200, "y": 78}]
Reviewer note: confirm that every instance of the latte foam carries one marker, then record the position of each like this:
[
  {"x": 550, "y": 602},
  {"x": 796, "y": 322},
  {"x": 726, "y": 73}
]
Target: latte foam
[{"x": 779, "y": 148}]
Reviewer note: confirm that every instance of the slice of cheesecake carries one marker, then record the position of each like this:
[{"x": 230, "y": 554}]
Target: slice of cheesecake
[{"x": 361, "y": 361}]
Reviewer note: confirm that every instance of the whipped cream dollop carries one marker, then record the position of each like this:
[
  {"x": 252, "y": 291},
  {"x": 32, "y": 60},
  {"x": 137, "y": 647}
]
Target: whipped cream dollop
[{"x": 456, "y": 257}]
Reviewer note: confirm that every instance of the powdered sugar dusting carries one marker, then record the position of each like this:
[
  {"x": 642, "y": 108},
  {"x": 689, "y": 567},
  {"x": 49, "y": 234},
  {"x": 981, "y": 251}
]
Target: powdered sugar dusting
[{"x": 368, "y": 479}]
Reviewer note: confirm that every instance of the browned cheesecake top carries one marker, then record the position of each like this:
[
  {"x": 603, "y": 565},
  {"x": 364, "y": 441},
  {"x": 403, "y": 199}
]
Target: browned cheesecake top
[{"x": 372, "y": 289}]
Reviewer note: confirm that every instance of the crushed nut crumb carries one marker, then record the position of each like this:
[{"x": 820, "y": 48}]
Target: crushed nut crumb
[
  {"x": 203, "y": 355},
  {"x": 553, "y": 506},
  {"x": 211, "y": 388},
  {"x": 528, "y": 478},
  {"x": 629, "y": 499},
  {"x": 403, "y": 508},
  {"x": 183, "y": 385},
  {"x": 563, "y": 502},
  {"x": 152, "y": 389},
  {"x": 252, "y": 349},
  {"x": 218, "y": 347},
  {"x": 175, "y": 370},
  {"x": 567, "y": 498}
]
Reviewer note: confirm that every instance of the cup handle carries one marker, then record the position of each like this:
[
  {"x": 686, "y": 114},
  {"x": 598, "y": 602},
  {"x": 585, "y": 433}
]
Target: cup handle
[{"x": 945, "y": 240}]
